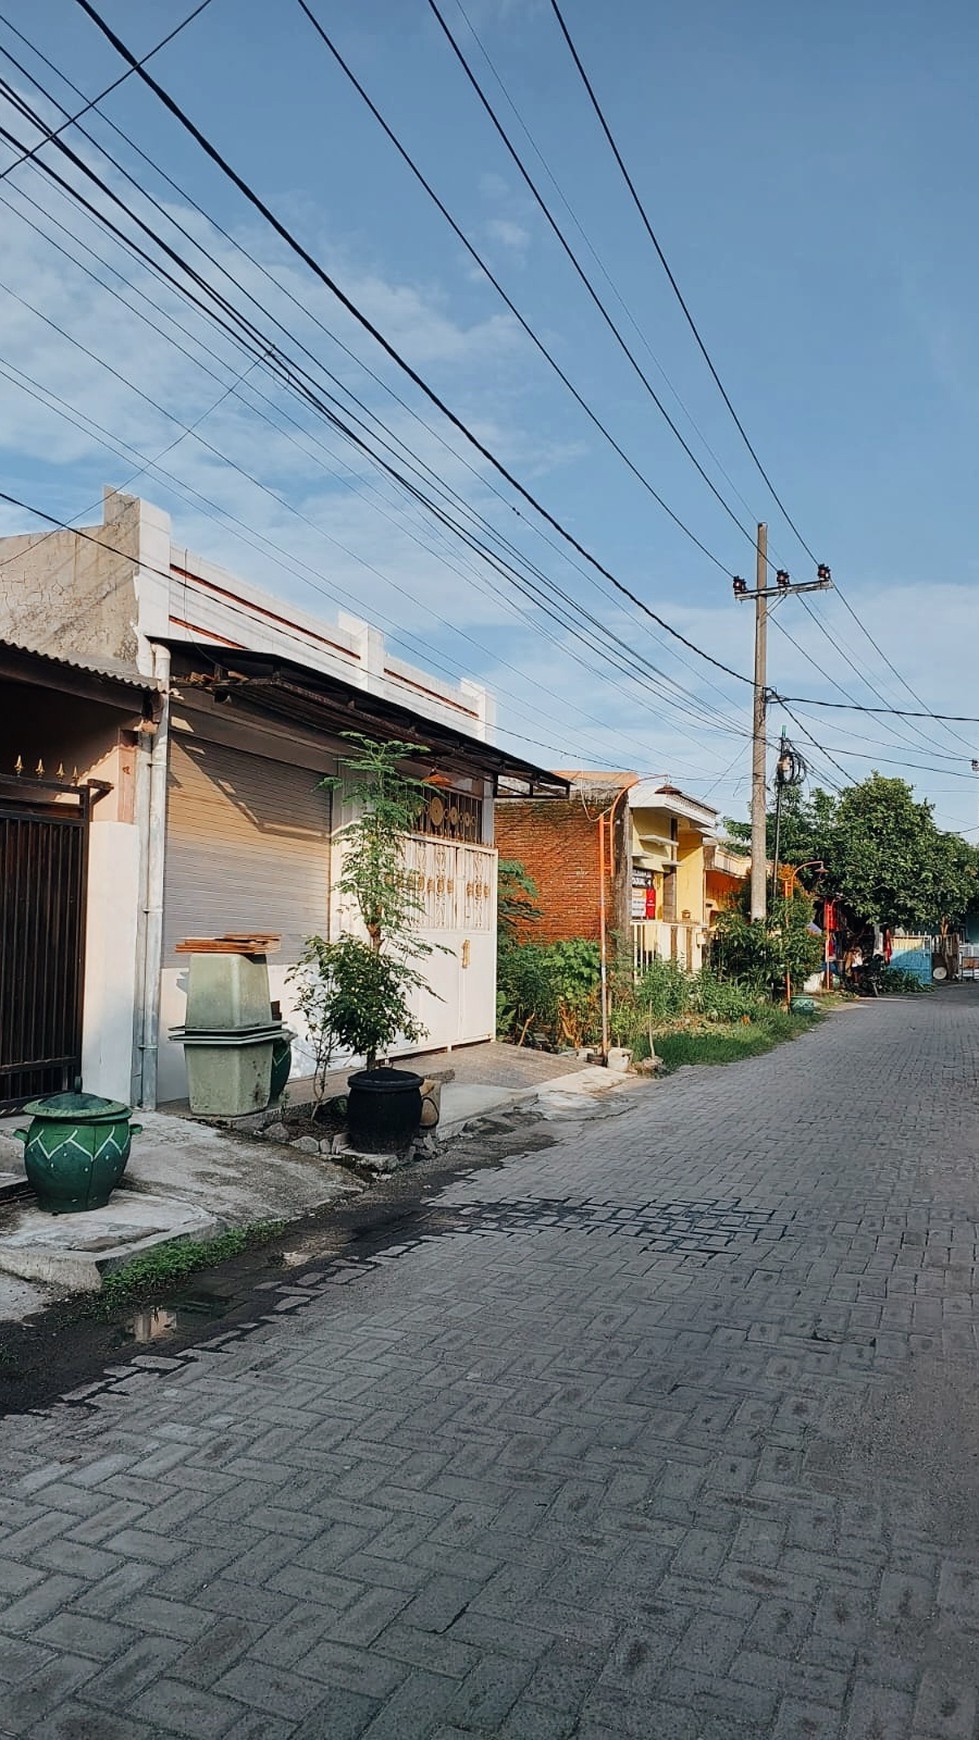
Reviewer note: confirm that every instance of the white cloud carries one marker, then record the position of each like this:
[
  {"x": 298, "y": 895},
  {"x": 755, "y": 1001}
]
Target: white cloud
[{"x": 510, "y": 234}]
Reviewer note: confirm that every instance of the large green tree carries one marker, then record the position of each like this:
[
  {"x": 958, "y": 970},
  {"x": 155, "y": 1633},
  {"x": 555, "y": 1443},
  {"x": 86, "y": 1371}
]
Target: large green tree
[{"x": 885, "y": 858}]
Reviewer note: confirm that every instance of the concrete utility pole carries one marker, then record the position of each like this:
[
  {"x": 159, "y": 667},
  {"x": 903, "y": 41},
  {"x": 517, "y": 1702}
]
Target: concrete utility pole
[
  {"x": 759, "y": 746},
  {"x": 761, "y": 594}
]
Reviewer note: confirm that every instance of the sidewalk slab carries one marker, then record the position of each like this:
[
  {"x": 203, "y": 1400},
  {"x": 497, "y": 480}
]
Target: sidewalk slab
[
  {"x": 184, "y": 1180},
  {"x": 72, "y": 1251},
  {"x": 563, "y": 1095},
  {"x": 238, "y": 1177}
]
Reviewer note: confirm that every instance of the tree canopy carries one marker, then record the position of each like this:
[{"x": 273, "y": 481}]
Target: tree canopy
[{"x": 885, "y": 857}]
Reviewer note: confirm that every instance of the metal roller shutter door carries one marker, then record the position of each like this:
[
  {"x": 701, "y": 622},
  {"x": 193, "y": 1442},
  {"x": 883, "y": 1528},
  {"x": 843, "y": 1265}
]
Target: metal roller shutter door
[{"x": 248, "y": 847}]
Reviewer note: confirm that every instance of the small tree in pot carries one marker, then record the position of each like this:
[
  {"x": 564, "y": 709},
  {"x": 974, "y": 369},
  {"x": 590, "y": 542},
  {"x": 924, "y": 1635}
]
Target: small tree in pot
[{"x": 354, "y": 992}]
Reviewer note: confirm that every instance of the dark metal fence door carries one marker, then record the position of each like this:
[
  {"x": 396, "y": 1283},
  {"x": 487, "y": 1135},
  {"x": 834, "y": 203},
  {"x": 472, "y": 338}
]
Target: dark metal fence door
[{"x": 43, "y": 861}]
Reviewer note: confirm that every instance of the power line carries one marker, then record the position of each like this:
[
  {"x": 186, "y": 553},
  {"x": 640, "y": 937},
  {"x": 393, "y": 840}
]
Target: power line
[
  {"x": 576, "y": 264},
  {"x": 896, "y": 712},
  {"x": 475, "y": 255},
  {"x": 626, "y": 662},
  {"x": 249, "y": 330},
  {"x": 385, "y": 344},
  {"x": 59, "y": 525},
  {"x": 414, "y": 463},
  {"x": 892, "y": 711},
  {"x": 928, "y": 742},
  {"x": 891, "y": 743},
  {"x": 647, "y": 225},
  {"x": 606, "y": 129},
  {"x": 925, "y": 741},
  {"x": 816, "y": 744},
  {"x": 621, "y": 655},
  {"x": 593, "y": 251},
  {"x": 72, "y": 119},
  {"x": 578, "y": 268},
  {"x": 891, "y": 667}
]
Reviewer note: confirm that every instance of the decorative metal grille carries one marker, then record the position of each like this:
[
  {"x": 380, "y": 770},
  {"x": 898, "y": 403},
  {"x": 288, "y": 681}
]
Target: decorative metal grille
[
  {"x": 453, "y": 882},
  {"x": 452, "y": 815}
]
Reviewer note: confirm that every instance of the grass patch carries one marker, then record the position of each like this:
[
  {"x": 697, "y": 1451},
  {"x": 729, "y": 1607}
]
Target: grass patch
[
  {"x": 727, "y": 1041},
  {"x": 165, "y": 1265}
]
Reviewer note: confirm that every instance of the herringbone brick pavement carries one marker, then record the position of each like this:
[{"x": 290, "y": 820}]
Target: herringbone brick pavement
[{"x": 669, "y": 1431}]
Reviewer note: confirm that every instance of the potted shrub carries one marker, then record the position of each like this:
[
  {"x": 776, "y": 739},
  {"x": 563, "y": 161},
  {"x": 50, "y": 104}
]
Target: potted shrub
[{"x": 355, "y": 991}]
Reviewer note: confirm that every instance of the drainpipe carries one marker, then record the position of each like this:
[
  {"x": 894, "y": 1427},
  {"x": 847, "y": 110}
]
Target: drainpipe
[
  {"x": 141, "y": 814},
  {"x": 152, "y": 914}
]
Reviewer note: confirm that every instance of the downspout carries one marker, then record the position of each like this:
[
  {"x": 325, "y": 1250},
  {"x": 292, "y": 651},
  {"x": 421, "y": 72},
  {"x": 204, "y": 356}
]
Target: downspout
[
  {"x": 141, "y": 809},
  {"x": 152, "y": 915}
]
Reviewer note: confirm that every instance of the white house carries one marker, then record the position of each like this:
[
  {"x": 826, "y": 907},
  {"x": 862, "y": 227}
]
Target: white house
[{"x": 208, "y": 713}]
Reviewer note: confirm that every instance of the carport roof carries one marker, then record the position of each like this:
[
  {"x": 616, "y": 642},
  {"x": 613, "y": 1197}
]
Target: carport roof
[
  {"x": 265, "y": 683},
  {"x": 109, "y": 680}
]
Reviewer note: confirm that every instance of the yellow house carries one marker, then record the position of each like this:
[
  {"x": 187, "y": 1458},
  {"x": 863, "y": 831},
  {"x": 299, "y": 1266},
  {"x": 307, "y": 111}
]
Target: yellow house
[{"x": 670, "y": 836}]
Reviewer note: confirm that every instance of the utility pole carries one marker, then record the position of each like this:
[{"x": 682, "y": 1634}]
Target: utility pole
[
  {"x": 759, "y": 746},
  {"x": 761, "y": 594}
]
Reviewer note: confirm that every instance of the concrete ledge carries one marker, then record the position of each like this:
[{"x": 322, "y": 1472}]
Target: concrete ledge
[
  {"x": 465, "y": 1103},
  {"x": 73, "y": 1251}
]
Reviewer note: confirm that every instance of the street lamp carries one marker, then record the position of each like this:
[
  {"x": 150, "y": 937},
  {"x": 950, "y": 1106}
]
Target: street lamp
[{"x": 793, "y": 871}]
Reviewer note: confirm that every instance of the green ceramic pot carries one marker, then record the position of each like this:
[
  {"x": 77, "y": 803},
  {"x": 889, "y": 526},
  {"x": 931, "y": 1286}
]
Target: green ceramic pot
[{"x": 76, "y": 1150}]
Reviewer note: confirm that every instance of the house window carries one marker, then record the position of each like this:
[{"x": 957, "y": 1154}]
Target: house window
[{"x": 669, "y": 896}]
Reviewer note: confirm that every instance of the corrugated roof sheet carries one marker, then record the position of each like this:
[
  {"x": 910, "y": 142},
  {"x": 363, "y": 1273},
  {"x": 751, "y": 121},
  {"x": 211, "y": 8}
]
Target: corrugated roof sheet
[{"x": 115, "y": 669}]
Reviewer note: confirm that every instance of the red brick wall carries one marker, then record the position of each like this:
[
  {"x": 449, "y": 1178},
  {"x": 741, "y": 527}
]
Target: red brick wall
[{"x": 557, "y": 843}]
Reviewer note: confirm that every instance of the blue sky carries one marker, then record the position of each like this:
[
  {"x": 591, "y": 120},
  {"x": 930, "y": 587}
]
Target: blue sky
[{"x": 810, "y": 174}]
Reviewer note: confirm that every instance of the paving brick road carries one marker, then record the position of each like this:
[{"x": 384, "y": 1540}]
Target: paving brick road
[{"x": 669, "y": 1431}]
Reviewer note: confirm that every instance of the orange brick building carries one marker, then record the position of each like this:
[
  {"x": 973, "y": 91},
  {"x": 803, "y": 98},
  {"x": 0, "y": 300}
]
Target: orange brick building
[{"x": 557, "y": 840}]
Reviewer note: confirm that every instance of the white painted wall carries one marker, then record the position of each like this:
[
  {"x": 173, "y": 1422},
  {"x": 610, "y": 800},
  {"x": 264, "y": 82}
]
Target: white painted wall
[{"x": 110, "y": 953}]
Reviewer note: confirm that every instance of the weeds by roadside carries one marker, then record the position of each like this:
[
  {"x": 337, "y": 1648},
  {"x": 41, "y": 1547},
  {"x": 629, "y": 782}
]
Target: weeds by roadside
[
  {"x": 727, "y": 1041},
  {"x": 165, "y": 1265}
]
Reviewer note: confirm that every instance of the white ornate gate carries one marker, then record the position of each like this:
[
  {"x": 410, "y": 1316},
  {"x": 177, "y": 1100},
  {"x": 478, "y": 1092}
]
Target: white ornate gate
[{"x": 456, "y": 883}]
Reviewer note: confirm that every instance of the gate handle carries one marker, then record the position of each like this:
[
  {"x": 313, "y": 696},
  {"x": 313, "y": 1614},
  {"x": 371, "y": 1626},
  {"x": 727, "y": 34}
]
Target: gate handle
[{"x": 21, "y": 1135}]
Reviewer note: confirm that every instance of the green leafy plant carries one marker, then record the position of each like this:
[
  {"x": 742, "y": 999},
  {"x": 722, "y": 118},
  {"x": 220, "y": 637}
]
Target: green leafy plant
[
  {"x": 354, "y": 992},
  {"x": 526, "y": 996},
  {"x": 167, "y": 1264},
  {"x": 726, "y": 999},
  {"x": 550, "y": 990},
  {"x": 576, "y": 969},
  {"x": 663, "y": 990},
  {"x": 898, "y": 980},
  {"x": 516, "y": 901},
  {"x": 761, "y": 956}
]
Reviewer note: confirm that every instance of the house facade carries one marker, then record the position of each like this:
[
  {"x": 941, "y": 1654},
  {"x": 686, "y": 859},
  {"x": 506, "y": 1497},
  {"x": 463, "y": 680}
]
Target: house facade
[
  {"x": 219, "y": 712},
  {"x": 635, "y": 849},
  {"x": 727, "y": 872},
  {"x": 671, "y": 834}
]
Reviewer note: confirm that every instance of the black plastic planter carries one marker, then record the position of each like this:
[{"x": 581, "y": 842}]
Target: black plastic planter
[{"x": 384, "y": 1108}]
